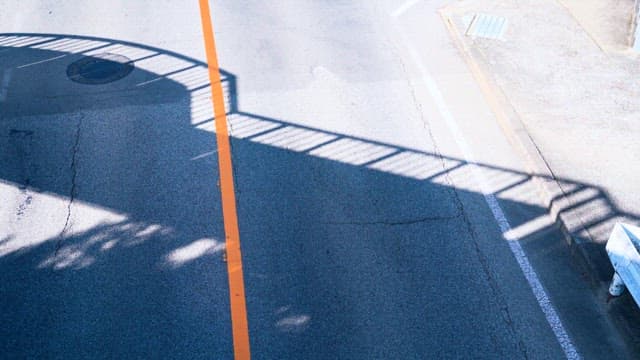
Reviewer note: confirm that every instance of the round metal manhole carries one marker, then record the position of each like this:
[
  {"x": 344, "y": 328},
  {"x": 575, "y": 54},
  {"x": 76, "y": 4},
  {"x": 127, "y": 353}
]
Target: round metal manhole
[{"x": 100, "y": 69}]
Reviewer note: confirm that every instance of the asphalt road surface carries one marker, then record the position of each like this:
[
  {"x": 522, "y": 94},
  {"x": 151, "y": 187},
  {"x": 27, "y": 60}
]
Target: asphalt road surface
[{"x": 382, "y": 213}]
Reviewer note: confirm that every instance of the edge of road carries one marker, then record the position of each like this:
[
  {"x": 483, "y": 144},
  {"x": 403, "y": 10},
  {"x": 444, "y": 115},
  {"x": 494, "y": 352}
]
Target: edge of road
[
  {"x": 591, "y": 259},
  {"x": 542, "y": 175}
]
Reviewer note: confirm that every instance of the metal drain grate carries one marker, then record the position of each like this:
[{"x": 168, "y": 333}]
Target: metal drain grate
[
  {"x": 100, "y": 69},
  {"x": 487, "y": 26}
]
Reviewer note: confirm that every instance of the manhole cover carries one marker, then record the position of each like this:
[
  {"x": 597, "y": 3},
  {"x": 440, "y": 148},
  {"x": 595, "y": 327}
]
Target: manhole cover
[{"x": 100, "y": 69}]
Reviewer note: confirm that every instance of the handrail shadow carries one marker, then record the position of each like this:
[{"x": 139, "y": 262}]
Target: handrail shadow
[{"x": 68, "y": 146}]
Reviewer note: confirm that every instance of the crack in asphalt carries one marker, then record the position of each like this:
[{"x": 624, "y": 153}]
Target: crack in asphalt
[
  {"x": 493, "y": 284},
  {"x": 72, "y": 191},
  {"x": 395, "y": 223}
]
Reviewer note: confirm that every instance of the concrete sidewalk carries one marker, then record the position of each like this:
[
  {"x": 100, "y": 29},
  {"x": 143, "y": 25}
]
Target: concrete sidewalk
[{"x": 565, "y": 89}]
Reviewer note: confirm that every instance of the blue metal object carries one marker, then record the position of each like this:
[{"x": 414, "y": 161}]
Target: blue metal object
[{"x": 623, "y": 249}]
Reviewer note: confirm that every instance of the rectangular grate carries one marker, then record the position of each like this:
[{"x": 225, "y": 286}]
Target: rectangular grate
[{"x": 487, "y": 26}]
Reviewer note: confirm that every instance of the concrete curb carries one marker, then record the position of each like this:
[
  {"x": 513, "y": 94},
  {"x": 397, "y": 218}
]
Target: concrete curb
[{"x": 591, "y": 255}]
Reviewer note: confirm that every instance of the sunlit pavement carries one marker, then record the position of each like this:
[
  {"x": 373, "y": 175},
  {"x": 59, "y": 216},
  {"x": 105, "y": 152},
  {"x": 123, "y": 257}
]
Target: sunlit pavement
[{"x": 370, "y": 180}]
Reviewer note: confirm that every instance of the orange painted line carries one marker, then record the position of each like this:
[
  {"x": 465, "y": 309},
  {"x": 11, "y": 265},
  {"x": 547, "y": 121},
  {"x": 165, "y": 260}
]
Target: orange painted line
[{"x": 239, "y": 324}]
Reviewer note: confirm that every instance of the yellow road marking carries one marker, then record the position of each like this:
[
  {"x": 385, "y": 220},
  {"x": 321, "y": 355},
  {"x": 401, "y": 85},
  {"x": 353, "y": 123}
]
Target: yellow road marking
[{"x": 239, "y": 325}]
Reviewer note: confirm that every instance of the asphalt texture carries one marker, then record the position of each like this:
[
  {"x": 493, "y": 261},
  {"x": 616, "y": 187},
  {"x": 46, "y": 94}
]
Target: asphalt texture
[
  {"x": 364, "y": 233},
  {"x": 579, "y": 140}
]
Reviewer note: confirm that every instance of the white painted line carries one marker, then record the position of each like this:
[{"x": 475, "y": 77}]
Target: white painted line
[
  {"x": 204, "y": 155},
  {"x": 406, "y": 6},
  {"x": 4, "y": 85},
  {"x": 42, "y": 61},
  {"x": 530, "y": 274}
]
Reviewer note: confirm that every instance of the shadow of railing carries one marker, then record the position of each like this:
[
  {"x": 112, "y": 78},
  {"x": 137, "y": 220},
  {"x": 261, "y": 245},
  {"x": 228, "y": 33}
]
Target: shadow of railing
[
  {"x": 589, "y": 207},
  {"x": 95, "y": 149}
]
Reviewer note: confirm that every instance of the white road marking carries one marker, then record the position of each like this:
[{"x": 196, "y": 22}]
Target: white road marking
[
  {"x": 406, "y": 6},
  {"x": 204, "y": 155},
  {"x": 4, "y": 85},
  {"x": 530, "y": 274},
  {"x": 42, "y": 61}
]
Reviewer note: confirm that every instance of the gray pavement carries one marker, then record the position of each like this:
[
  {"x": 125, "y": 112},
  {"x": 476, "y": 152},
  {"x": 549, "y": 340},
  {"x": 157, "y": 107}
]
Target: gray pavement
[
  {"x": 574, "y": 108},
  {"x": 365, "y": 230},
  {"x": 577, "y": 102}
]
